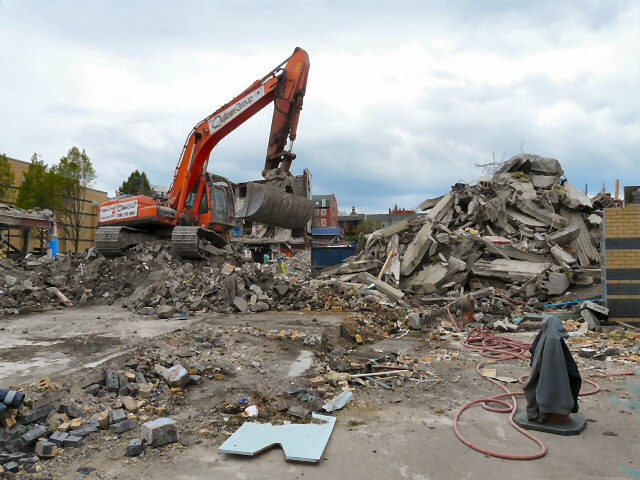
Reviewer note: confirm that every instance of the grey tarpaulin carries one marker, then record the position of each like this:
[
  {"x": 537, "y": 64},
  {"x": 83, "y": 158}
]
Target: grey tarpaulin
[{"x": 554, "y": 382}]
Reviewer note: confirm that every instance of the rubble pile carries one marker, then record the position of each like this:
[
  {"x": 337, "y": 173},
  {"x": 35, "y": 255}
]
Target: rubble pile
[
  {"x": 525, "y": 230},
  {"x": 150, "y": 280}
]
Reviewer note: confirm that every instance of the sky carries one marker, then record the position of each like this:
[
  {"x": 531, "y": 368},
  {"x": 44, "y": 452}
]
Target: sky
[{"x": 404, "y": 97}]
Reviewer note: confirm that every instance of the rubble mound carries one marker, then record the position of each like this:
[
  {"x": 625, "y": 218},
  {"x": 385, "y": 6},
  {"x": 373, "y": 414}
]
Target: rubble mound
[{"x": 525, "y": 230}]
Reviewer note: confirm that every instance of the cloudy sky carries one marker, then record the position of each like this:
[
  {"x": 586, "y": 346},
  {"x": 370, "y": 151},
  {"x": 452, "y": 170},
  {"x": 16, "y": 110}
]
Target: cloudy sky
[{"x": 403, "y": 97}]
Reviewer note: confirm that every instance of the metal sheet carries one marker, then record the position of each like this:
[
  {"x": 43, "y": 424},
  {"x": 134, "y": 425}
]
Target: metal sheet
[
  {"x": 300, "y": 442},
  {"x": 270, "y": 206}
]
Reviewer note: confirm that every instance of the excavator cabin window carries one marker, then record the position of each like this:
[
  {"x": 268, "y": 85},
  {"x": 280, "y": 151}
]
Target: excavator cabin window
[{"x": 191, "y": 198}]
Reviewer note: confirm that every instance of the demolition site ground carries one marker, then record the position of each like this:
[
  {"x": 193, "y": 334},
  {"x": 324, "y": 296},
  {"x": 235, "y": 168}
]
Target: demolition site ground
[{"x": 404, "y": 432}]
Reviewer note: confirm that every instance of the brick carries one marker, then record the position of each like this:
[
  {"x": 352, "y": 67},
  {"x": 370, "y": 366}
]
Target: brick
[
  {"x": 103, "y": 419},
  {"x": 112, "y": 380},
  {"x": 35, "y": 415},
  {"x": 65, "y": 427},
  {"x": 71, "y": 411},
  {"x": 117, "y": 416},
  {"x": 123, "y": 426},
  {"x": 31, "y": 436},
  {"x": 46, "y": 449},
  {"x": 72, "y": 441},
  {"x": 58, "y": 438},
  {"x": 129, "y": 404},
  {"x": 160, "y": 432},
  {"x": 76, "y": 423},
  {"x": 135, "y": 447},
  {"x": 11, "y": 467}
]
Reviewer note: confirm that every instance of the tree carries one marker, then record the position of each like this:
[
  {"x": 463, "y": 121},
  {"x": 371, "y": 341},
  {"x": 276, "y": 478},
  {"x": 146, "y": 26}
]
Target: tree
[
  {"x": 369, "y": 226},
  {"x": 41, "y": 187},
  {"x": 136, "y": 184},
  {"x": 76, "y": 175},
  {"x": 7, "y": 177}
]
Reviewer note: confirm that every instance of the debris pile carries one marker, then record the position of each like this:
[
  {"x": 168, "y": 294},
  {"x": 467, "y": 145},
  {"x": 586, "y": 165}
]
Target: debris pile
[{"x": 525, "y": 230}]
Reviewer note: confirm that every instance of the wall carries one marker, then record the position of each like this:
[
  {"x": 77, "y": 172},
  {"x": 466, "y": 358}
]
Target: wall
[
  {"x": 622, "y": 262},
  {"x": 91, "y": 205}
]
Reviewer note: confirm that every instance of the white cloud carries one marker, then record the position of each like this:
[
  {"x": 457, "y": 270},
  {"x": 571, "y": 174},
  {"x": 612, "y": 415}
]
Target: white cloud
[{"x": 402, "y": 99}]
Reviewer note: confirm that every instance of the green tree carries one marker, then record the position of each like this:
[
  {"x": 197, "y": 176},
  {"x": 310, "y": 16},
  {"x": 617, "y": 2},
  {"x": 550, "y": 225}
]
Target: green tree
[
  {"x": 77, "y": 175},
  {"x": 7, "y": 177},
  {"x": 136, "y": 184},
  {"x": 41, "y": 187},
  {"x": 369, "y": 226}
]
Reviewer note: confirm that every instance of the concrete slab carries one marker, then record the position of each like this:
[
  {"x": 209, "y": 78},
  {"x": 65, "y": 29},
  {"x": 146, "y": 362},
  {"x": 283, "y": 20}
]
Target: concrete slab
[{"x": 300, "y": 442}]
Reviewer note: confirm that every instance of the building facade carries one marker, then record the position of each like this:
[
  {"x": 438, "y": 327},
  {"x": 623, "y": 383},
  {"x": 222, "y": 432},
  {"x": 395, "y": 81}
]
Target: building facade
[
  {"x": 350, "y": 223},
  {"x": 88, "y": 227},
  {"x": 326, "y": 211}
]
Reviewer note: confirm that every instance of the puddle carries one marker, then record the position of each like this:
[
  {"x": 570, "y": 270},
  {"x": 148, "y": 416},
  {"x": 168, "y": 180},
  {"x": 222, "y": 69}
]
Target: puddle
[
  {"x": 301, "y": 364},
  {"x": 25, "y": 370},
  {"x": 101, "y": 360},
  {"x": 13, "y": 343}
]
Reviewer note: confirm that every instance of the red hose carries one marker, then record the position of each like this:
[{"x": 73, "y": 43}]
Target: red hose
[{"x": 498, "y": 348}]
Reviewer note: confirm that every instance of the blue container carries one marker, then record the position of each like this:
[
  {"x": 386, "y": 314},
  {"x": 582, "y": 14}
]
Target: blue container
[
  {"x": 53, "y": 245},
  {"x": 323, "y": 257}
]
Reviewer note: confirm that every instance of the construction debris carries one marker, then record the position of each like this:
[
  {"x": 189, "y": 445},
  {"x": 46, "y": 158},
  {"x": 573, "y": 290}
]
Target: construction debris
[{"x": 526, "y": 231}]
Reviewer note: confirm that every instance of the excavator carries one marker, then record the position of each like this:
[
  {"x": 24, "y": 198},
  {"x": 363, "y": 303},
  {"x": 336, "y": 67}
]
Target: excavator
[{"x": 198, "y": 210}]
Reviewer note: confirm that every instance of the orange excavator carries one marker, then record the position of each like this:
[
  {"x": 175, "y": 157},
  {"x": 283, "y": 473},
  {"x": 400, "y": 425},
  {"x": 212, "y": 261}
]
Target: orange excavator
[{"x": 198, "y": 211}]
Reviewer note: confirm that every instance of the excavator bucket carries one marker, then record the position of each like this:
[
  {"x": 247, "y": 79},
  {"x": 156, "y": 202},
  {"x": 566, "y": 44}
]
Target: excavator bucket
[{"x": 268, "y": 205}]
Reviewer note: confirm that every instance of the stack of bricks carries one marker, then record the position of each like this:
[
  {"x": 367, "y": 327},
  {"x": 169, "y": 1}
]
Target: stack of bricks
[{"x": 622, "y": 263}]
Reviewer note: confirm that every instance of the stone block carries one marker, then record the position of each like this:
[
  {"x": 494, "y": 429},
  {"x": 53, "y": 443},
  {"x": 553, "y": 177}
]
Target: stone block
[
  {"x": 135, "y": 447},
  {"x": 46, "y": 449},
  {"x": 35, "y": 415},
  {"x": 129, "y": 404},
  {"x": 72, "y": 441},
  {"x": 11, "y": 467},
  {"x": 58, "y": 438},
  {"x": 31, "y": 436},
  {"x": 241, "y": 304},
  {"x": 414, "y": 321},
  {"x": 123, "y": 426},
  {"x": 117, "y": 416},
  {"x": 176, "y": 376},
  {"x": 159, "y": 432},
  {"x": 165, "y": 311},
  {"x": 103, "y": 419},
  {"x": 112, "y": 380}
]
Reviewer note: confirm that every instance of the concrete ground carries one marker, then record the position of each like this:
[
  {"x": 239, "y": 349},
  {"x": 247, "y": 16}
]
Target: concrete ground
[{"x": 406, "y": 433}]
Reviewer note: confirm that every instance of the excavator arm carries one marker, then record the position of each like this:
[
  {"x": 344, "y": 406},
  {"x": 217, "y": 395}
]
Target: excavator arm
[{"x": 284, "y": 86}]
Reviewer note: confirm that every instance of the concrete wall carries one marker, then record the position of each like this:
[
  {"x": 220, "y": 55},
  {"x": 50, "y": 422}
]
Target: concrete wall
[
  {"x": 88, "y": 230},
  {"x": 622, "y": 262}
]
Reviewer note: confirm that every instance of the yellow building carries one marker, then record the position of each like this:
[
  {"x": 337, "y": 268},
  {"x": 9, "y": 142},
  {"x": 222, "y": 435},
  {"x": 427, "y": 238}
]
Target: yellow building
[{"x": 88, "y": 229}]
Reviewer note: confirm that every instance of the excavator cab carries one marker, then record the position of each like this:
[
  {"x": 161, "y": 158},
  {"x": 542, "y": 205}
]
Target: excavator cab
[{"x": 213, "y": 195}]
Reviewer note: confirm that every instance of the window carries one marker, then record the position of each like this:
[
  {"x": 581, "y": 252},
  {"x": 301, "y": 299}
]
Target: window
[
  {"x": 323, "y": 222},
  {"x": 324, "y": 212},
  {"x": 324, "y": 202}
]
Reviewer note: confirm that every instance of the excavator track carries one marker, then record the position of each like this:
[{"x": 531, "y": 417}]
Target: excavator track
[
  {"x": 108, "y": 241},
  {"x": 196, "y": 242},
  {"x": 115, "y": 241},
  {"x": 185, "y": 243}
]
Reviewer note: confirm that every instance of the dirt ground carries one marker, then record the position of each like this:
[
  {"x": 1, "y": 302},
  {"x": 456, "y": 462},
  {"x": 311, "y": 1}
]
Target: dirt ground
[{"x": 382, "y": 434}]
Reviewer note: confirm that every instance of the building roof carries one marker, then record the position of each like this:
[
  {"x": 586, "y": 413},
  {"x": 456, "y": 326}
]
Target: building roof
[{"x": 322, "y": 197}]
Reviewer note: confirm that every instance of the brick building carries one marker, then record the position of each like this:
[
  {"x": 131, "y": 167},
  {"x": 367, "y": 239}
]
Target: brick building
[
  {"x": 622, "y": 262},
  {"x": 88, "y": 229},
  {"x": 326, "y": 212}
]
